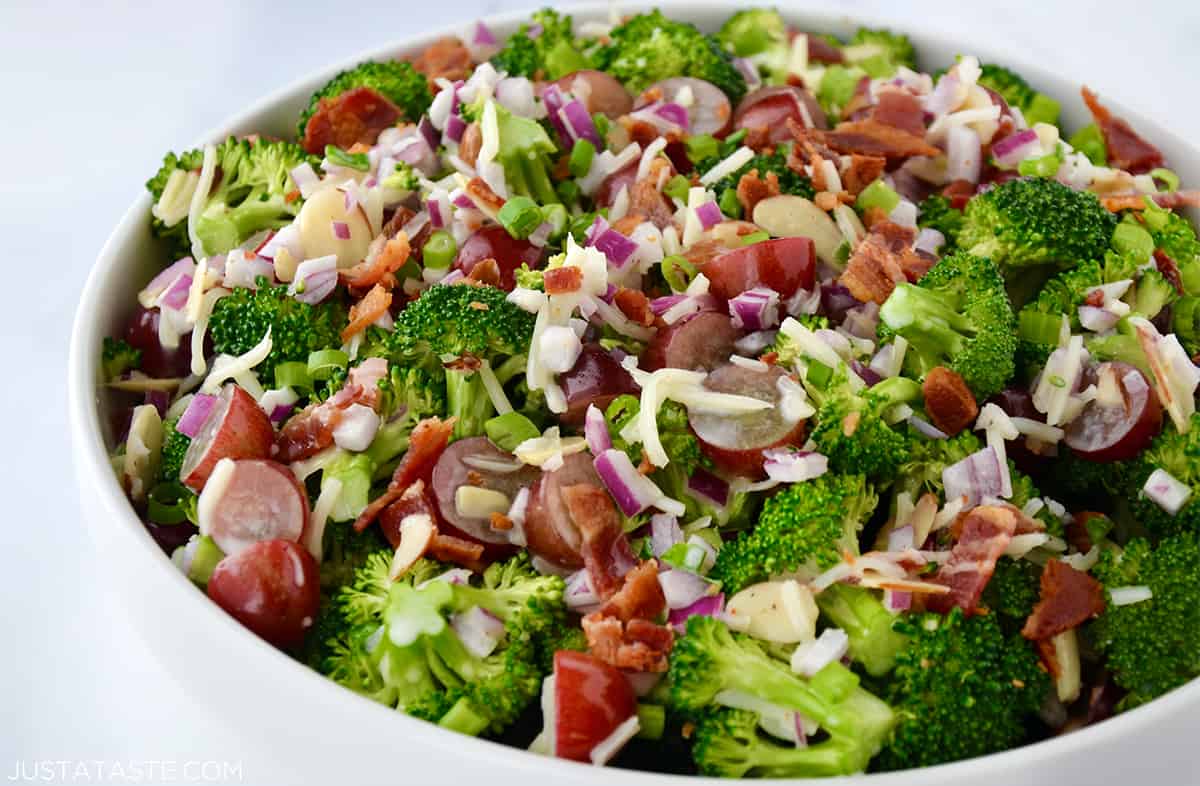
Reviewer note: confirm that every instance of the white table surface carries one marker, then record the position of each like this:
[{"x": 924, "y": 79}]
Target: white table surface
[{"x": 93, "y": 95}]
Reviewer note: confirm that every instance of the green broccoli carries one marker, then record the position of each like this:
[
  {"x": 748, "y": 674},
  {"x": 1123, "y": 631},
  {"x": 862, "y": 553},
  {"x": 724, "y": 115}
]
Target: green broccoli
[
  {"x": 1175, "y": 236},
  {"x": 447, "y": 330},
  {"x": 805, "y": 527},
  {"x": 117, "y": 357},
  {"x": 252, "y": 191},
  {"x": 241, "y": 319},
  {"x": 1179, "y": 455},
  {"x": 1012, "y": 592},
  {"x": 838, "y": 85},
  {"x": 869, "y": 625},
  {"x": 648, "y": 48},
  {"x": 550, "y": 54},
  {"x": 174, "y": 448},
  {"x": 852, "y": 430},
  {"x": 1035, "y": 221},
  {"x": 1035, "y": 107},
  {"x": 937, "y": 213},
  {"x": 525, "y": 152},
  {"x": 921, "y": 473},
  {"x": 708, "y": 659},
  {"x": 958, "y": 316},
  {"x": 1090, "y": 141},
  {"x": 1152, "y": 646},
  {"x": 725, "y": 189},
  {"x": 761, "y": 35},
  {"x": 880, "y": 52},
  {"x": 961, "y": 688},
  {"x": 395, "y": 80},
  {"x": 399, "y": 646}
]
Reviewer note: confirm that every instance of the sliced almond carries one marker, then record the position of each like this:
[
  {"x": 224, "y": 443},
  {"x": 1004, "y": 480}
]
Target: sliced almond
[
  {"x": 788, "y": 215},
  {"x": 143, "y": 450},
  {"x": 779, "y": 611},
  {"x": 416, "y": 533}
]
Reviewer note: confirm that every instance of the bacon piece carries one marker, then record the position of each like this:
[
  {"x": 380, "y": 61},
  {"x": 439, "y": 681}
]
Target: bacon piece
[
  {"x": 425, "y": 447},
  {"x": 448, "y": 548},
  {"x": 470, "y": 144},
  {"x": 305, "y": 434},
  {"x": 604, "y": 549},
  {"x": 634, "y": 304},
  {"x": 364, "y": 313},
  {"x": 638, "y": 645},
  {"x": 646, "y": 197},
  {"x": 959, "y": 192},
  {"x": 986, "y": 532},
  {"x": 365, "y": 376},
  {"x": 1170, "y": 200},
  {"x": 411, "y": 501},
  {"x": 640, "y": 596},
  {"x": 1126, "y": 150},
  {"x": 1069, "y": 597},
  {"x": 863, "y": 171},
  {"x": 356, "y": 116},
  {"x": 1169, "y": 270},
  {"x": 859, "y": 105},
  {"x": 628, "y": 222},
  {"x": 821, "y": 51},
  {"x": 872, "y": 138},
  {"x": 483, "y": 195},
  {"x": 752, "y": 189},
  {"x": 900, "y": 109},
  {"x": 500, "y": 522},
  {"x": 948, "y": 400},
  {"x": 485, "y": 271},
  {"x": 446, "y": 58},
  {"x": 380, "y": 267},
  {"x": 883, "y": 259},
  {"x": 562, "y": 280}
]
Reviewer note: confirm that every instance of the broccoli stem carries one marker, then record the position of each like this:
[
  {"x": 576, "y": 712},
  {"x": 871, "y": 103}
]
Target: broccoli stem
[
  {"x": 464, "y": 719},
  {"x": 468, "y": 401},
  {"x": 858, "y": 612}
]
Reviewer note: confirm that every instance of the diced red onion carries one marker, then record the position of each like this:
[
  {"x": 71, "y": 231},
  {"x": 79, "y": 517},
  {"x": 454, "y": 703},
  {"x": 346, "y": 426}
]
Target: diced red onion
[
  {"x": 196, "y": 413},
  {"x": 464, "y": 201},
  {"x": 541, "y": 236},
  {"x": 664, "y": 533},
  {"x": 895, "y": 600},
  {"x": 753, "y": 343},
  {"x": 578, "y": 593},
  {"x": 316, "y": 277},
  {"x": 415, "y": 224},
  {"x": 578, "y": 123},
  {"x": 595, "y": 430},
  {"x": 667, "y": 118},
  {"x": 755, "y": 309},
  {"x": 964, "y": 154},
  {"x": 305, "y": 178},
  {"x": 455, "y": 126},
  {"x": 975, "y": 477},
  {"x": 926, "y": 428},
  {"x": 281, "y": 412},
  {"x": 709, "y": 214},
  {"x": 1164, "y": 490},
  {"x": 707, "y": 606},
  {"x": 901, "y": 538},
  {"x": 341, "y": 230},
  {"x": 673, "y": 113},
  {"x": 555, "y": 99},
  {"x": 944, "y": 96},
  {"x": 428, "y": 132},
  {"x": 168, "y": 276},
  {"x": 930, "y": 241},
  {"x": 483, "y": 36},
  {"x": 793, "y": 466},
  {"x": 836, "y": 301},
  {"x": 660, "y": 305},
  {"x": 1015, "y": 148},
  {"x": 288, "y": 237},
  {"x": 159, "y": 399},
  {"x": 435, "y": 213},
  {"x": 618, "y": 248},
  {"x": 176, "y": 295},
  {"x": 633, "y": 491},
  {"x": 706, "y": 485},
  {"x": 865, "y": 373},
  {"x": 478, "y": 630},
  {"x": 748, "y": 71},
  {"x": 682, "y": 588},
  {"x": 1097, "y": 319}
]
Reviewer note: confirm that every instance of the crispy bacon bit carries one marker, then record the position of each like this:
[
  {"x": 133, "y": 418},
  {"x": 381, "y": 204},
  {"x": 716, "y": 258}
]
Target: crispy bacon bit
[
  {"x": 874, "y": 215},
  {"x": 640, "y": 596},
  {"x": 644, "y": 132},
  {"x": 483, "y": 195},
  {"x": 628, "y": 222},
  {"x": 469, "y": 146},
  {"x": 770, "y": 358},
  {"x": 356, "y": 116},
  {"x": 826, "y": 200},
  {"x": 447, "y": 58},
  {"x": 411, "y": 501},
  {"x": 752, "y": 189},
  {"x": 448, "y": 548},
  {"x": 380, "y": 267},
  {"x": 604, "y": 543},
  {"x": 634, "y": 304},
  {"x": 1069, "y": 598},
  {"x": 464, "y": 362},
  {"x": 305, "y": 434},
  {"x": 986, "y": 532},
  {"x": 637, "y": 645},
  {"x": 485, "y": 271},
  {"x": 474, "y": 478},
  {"x": 562, "y": 280},
  {"x": 425, "y": 447},
  {"x": 758, "y": 138},
  {"x": 1076, "y": 530},
  {"x": 959, "y": 192},
  {"x": 1168, "y": 268},
  {"x": 1095, "y": 298},
  {"x": 1126, "y": 150},
  {"x": 883, "y": 259},
  {"x": 821, "y": 51},
  {"x": 948, "y": 400},
  {"x": 872, "y": 138},
  {"x": 900, "y": 109},
  {"x": 366, "y": 376},
  {"x": 863, "y": 171},
  {"x": 645, "y": 466},
  {"x": 363, "y": 313},
  {"x": 500, "y": 523},
  {"x": 646, "y": 197},
  {"x": 1170, "y": 200}
]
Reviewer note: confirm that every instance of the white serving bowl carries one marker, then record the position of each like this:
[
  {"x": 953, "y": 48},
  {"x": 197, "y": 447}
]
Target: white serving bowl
[{"x": 335, "y": 736}]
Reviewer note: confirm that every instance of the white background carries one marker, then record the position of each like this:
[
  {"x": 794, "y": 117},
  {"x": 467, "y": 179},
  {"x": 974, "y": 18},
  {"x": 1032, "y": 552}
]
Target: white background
[{"x": 91, "y": 97}]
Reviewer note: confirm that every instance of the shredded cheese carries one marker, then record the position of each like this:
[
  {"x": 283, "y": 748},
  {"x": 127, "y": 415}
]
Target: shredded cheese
[
  {"x": 314, "y": 533},
  {"x": 226, "y": 367},
  {"x": 203, "y": 185},
  {"x": 730, "y": 164}
]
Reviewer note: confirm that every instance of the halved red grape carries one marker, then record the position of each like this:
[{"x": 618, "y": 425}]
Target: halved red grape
[
  {"x": 709, "y": 110},
  {"x": 704, "y": 341},
  {"x": 549, "y": 528},
  {"x": 784, "y": 264},
  {"x": 272, "y": 588},
  {"x": 477, "y": 462},
  {"x": 596, "y": 378},
  {"x": 1121, "y": 421},
  {"x": 157, "y": 361},
  {"x": 771, "y": 107},
  {"x": 599, "y": 92},
  {"x": 494, "y": 242}
]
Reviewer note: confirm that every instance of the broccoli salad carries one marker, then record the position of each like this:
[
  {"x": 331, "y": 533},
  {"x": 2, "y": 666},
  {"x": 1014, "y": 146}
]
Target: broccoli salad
[{"x": 748, "y": 404}]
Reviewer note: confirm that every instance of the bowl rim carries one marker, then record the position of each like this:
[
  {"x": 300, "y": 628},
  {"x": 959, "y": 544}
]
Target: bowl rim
[{"x": 95, "y": 477}]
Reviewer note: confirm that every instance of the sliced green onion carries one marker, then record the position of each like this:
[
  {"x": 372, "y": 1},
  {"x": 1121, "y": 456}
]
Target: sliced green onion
[
  {"x": 568, "y": 191},
  {"x": 167, "y": 503},
  {"x": 878, "y": 194},
  {"x": 701, "y": 146},
  {"x": 339, "y": 157},
  {"x": 1168, "y": 178},
  {"x": 754, "y": 237},
  {"x": 324, "y": 362},
  {"x": 729, "y": 203},
  {"x": 734, "y": 140},
  {"x": 685, "y": 556},
  {"x": 1089, "y": 141},
  {"x": 652, "y": 721},
  {"x": 557, "y": 217},
  {"x": 204, "y": 560},
  {"x": 677, "y": 188},
  {"x": 582, "y": 155},
  {"x": 602, "y": 124},
  {"x": 520, "y": 216},
  {"x": 509, "y": 430},
  {"x": 439, "y": 250},
  {"x": 842, "y": 253},
  {"x": 1042, "y": 166},
  {"x": 293, "y": 374},
  {"x": 678, "y": 272}
]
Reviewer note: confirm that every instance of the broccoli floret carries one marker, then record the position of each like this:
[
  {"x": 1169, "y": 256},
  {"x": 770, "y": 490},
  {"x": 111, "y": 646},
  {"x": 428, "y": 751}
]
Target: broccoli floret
[
  {"x": 961, "y": 688},
  {"x": 1179, "y": 455},
  {"x": 395, "y": 80},
  {"x": 1012, "y": 592},
  {"x": 1036, "y": 221},
  {"x": 869, "y": 625},
  {"x": 880, "y": 52},
  {"x": 958, "y": 316},
  {"x": 174, "y": 448},
  {"x": 790, "y": 181},
  {"x": 1152, "y": 646},
  {"x": 937, "y": 213},
  {"x": 1035, "y": 107},
  {"x": 252, "y": 191},
  {"x": 117, "y": 357},
  {"x": 853, "y": 432},
  {"x": 709, "y": 659},
  {"x": 1023, "y": 491},
  {"x": 928, "y": 458},
  {"x": 448, "y": 330},
  {"x": 838, "y": 86},
  {"x": 551, "y": 53},
  {"x": 761, "y": 35},
  {"x": 1090, "y": 141},
  {"x": 525, "y": 152},
  {"x": 241, "y": 319},
  {"x": 400, "y": 649},
  {"x": 1176, "y": 237},
  {"x": 650, "y": 47},
  {"x": 806, "y": 526}
]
